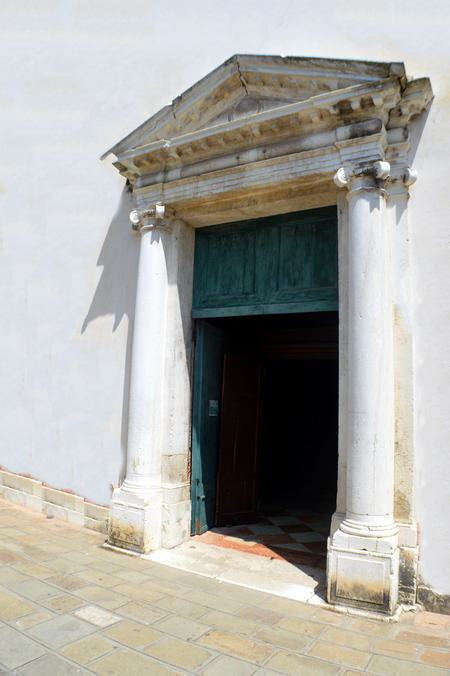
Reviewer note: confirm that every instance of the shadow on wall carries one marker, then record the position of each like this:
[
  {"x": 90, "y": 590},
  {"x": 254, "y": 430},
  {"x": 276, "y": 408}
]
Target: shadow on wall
[{"x": 116, "y": 292}]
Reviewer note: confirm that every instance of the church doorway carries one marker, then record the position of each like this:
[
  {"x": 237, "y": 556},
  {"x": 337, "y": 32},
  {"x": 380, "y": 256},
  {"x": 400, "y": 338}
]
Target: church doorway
[{"x": 265, "y": 431}]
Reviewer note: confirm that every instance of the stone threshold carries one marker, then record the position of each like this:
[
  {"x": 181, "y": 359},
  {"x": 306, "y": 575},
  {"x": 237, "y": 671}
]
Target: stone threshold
[
  {"x": 64, "y": 505},
  {"x": 279, "y": 578},
  {"x": 246, "y": 570}
]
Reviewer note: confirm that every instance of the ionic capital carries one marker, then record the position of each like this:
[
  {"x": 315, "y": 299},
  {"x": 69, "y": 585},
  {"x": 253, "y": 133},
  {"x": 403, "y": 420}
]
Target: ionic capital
[
  {"x": 367, "y": 177},
  {"x": 158, "y": 217}
]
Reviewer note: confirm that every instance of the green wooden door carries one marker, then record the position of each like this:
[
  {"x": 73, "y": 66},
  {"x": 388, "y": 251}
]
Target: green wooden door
[
  {"x": 280, "y": 264},
  {"x": 209, "y": 351},
  {"x": 269, "y": 265}
]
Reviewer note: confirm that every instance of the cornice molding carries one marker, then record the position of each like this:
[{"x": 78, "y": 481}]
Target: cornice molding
[
  {"x": 294, "y": 143},
  {"x": 255, "y": 78},
  {"x": 319, "y": 114}
]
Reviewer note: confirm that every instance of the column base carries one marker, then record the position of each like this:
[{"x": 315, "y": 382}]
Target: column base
[
  {"x": 363, "y": 571},
  {"x": 176, "y": 515},
  {"x": 135, "y": 520}
]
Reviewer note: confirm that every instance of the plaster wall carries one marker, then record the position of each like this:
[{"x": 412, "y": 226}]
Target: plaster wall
[{"x": 77, "y": 77}]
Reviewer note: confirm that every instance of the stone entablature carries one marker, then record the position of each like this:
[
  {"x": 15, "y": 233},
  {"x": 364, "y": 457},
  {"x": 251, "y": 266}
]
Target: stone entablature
[{"x": 262, "y": 136}]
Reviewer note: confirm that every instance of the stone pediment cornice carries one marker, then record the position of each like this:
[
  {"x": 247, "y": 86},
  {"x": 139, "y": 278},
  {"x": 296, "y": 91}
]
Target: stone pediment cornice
[
  {"x": 383, "y": 100},
  {"x": 246, "y": 82},
  {"x": 238, "y": 131}
]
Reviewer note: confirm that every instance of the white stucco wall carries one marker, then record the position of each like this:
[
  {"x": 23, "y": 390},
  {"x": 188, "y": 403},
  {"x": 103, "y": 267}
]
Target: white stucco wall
[{"x": 76, "y": 77}]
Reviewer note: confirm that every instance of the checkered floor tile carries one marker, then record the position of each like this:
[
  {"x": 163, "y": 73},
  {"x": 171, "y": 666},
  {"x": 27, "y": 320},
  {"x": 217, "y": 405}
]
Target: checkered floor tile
[{"x": 297, "y": 536}]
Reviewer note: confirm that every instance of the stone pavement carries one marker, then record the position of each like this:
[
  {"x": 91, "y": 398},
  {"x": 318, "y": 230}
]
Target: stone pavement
[{"x": 69, "y": 606}]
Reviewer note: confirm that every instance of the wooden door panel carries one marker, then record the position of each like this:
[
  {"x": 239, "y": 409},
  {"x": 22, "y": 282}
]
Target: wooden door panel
[
  {"x": 237, "y": 483},
  {"x": 278, "y": 264},
  {"x": 209, "y": 349}
]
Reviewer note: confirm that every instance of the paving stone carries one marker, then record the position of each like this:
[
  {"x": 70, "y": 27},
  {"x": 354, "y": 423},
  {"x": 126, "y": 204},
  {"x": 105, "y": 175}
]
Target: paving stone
[
  {"x": 179, "y": 653},
  {"x": 88, "y": 649},
  {"x": 34, "y": 589},
  {"x": 33, "y": 569},
  {"x": 228, "y": 665},
  {"x": 137, "y": 592},
  {"x": 98, "y": 616},
  {"x": 105, "y": 598},
  {"x": 284, "y": 639},
  {"x": 9, "y": 575},
  {"x": 423, "y": 639},
  {"x": 438, "y": 658},
  {"x": 237, "y": 646},
  {"x": 433, "y": 621},
  {"x": 288, "y": 607},
  {"x": 8, "y": 557},
  {"x": 165, "y": 587},
  {"x": 132, "y": 634},
  {"x": 181, "y": 627},
  {"x": 63, "y": 603},
  {"x": 181, "y": 607},
  {"x": 12, "y": 607},
  {"x": 141, "y": 613},
  {"x": 63, "y": 565},
  {"x": 106, "y": 567},
  {"x": 328, "y": 617},
  {"x": 61, "y": 630},
  {"x": 218, "y": 620},
  {"x": 67, "y": 582},
  {"x": 51, "y": 665},
  {"x": 81, "y": 558},
  {"x": 131, "y": 576},
  {"x": 33, "y": 619},
  {"x": 391, "y": 666},
  {"x": 37, "y": 554},
  {"x": 259, "y": 614},
  {"x": 17, "y": 649},
  {"x": 128, "y": 663},
  {"x": 345, "y": 637},
  {"x": 370, "y": 627},
  {"x": 300, "y": 626},
  {"x": 396, "y": 648},
  {"x": 289, "y": 663},
  {"x": 348, "y": 657},
  {"x": 98, "y": 577},
  {"x": 211, "y": 601}
]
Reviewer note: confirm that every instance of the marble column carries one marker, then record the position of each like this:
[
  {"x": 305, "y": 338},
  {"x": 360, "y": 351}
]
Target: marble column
[
  {"x": 135, "y": 516},
  {"x": 363, "y": 551}
]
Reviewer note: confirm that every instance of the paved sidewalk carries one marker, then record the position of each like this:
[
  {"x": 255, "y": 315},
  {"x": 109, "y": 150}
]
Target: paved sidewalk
[{"x": 68, "y": 606}]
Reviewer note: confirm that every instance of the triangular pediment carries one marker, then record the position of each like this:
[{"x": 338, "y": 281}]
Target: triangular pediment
[{"x": 247, "y": 85}]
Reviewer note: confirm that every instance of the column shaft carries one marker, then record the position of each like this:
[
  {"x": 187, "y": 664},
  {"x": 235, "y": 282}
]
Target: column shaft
[
  {"x": 370, "y": 420},
  {"x": 144, "y": 426},
  {"x": 363, "y": 550},
  {"x": 136, "y": 509}
]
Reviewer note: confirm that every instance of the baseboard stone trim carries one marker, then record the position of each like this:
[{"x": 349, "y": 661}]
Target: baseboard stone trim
[
  {"x": 35, "y": 495},
  {"x": 432, "y": 601}
]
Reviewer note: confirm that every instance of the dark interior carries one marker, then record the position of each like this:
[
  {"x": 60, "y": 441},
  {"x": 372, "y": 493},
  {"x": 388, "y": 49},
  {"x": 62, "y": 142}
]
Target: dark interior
[
  {"x": 299, "y": 430},
  {"x": 299, "y": 436}
]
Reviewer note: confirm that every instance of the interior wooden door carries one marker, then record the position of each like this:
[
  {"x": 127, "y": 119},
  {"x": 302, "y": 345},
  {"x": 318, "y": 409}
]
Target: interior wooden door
[
  {"x": 209, "y": 350},
  {"x": 237, "y": 482}
]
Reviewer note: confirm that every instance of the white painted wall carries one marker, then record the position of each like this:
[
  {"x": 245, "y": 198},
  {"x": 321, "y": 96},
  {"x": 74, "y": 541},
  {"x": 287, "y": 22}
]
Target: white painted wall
[{"x": 76, "y": 76}]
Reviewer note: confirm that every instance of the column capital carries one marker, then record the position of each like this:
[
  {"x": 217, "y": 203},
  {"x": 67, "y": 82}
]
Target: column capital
[
  {"x": 379, "y": 175},
  {"x": 157, "y": 217},
  {"x": 402, "y": 178},
  {"x": 371, "y": 176}
]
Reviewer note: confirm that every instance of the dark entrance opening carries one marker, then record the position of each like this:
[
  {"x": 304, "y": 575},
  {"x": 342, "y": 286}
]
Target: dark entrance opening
[
  {"x": 299, "y": 440},
  {"x": 265, "y": 448}
]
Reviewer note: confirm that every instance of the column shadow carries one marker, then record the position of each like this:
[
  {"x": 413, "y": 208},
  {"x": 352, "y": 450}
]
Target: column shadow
[{"x": 116, "y": 292}]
